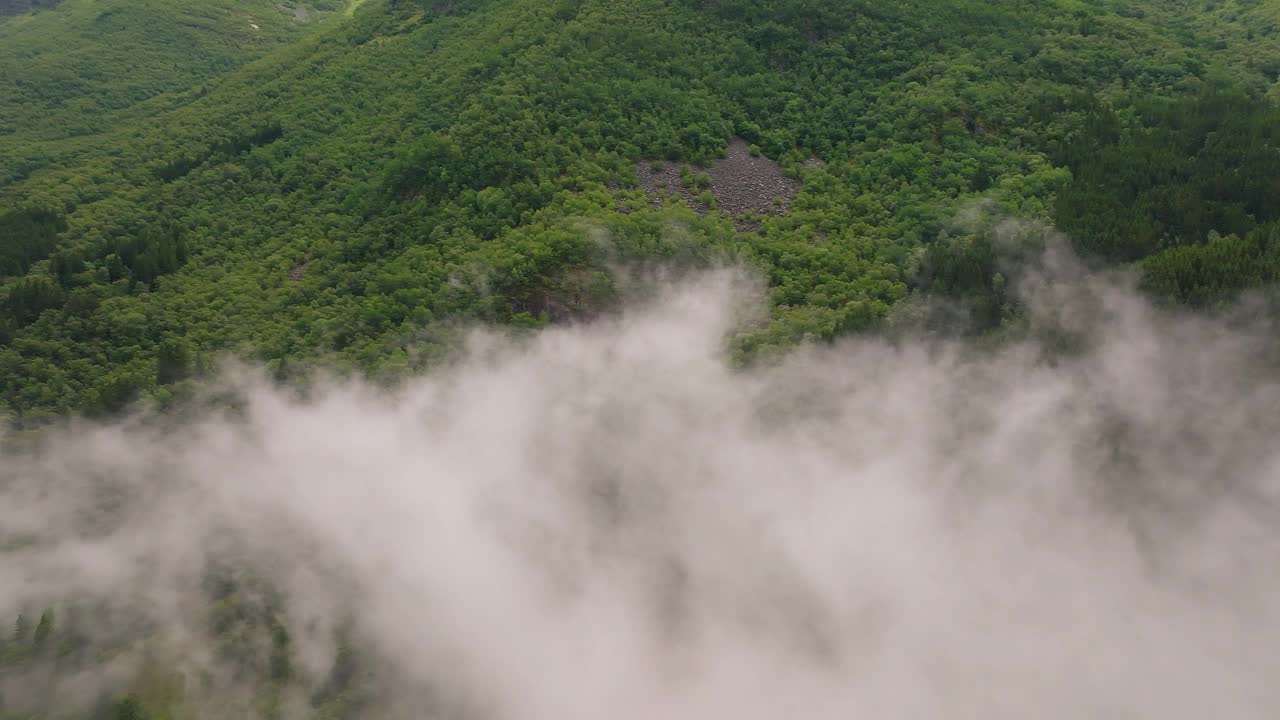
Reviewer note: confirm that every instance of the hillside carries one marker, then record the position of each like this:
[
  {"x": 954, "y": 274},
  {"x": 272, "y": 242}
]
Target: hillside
[
  {"x": 677, "y": 514},
  {"x": 74, "y": 70},
  {"x": 351, "y": 197}
]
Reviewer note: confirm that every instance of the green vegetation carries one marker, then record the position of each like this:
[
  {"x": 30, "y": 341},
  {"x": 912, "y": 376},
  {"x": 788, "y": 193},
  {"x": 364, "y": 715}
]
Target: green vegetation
[
  {"x": 347, "y": 182},
  {"x": 355, "y": 193},
  {"x": 245, "y": 631},
  {"x": 1171, "y": 175},
  {"x": 74, "y": 70}
]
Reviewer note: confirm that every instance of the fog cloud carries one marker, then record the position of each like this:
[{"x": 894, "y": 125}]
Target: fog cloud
[{"x": 609, "y": 521}]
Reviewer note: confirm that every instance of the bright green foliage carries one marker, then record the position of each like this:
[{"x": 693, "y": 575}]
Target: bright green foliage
[
  {"x": 354, "y": 195},
  {"x": 75, "y": 69}
]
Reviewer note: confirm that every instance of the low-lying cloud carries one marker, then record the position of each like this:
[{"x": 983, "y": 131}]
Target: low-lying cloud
[{"x": 610, "y": 521}]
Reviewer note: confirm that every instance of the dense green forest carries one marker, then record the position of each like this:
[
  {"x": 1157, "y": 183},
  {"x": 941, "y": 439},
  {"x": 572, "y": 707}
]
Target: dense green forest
[
  {"x": 347, "y": 184},
  {"x": 364, "y": 186}
]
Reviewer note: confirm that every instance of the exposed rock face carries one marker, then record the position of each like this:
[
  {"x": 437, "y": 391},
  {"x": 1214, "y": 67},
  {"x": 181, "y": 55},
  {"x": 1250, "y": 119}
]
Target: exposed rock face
[
  {"x": 743, "y": 183},
  {"x": 740, "y": 183},
  {"x": 660, "y": 178}
]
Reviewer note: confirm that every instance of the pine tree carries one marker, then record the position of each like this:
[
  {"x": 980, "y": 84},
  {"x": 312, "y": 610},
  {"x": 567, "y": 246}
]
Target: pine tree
[
  {"x": 43, "y": 630},
  {"x": 21, "y": 629}
]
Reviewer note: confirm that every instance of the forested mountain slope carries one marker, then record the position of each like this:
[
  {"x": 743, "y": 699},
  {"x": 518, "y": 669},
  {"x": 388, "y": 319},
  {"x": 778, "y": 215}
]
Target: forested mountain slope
[
  {"x": 72, "y": 70},
  {"x": 353, "y": 196},
  {"x": 352, "y": 184}
]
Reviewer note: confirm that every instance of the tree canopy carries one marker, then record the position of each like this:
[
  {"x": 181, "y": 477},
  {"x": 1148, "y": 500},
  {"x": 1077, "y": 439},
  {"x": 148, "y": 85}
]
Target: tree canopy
[{"x": 344, "y": 190}]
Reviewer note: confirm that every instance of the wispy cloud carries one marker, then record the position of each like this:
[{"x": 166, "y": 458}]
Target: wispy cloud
[{"x": 610, "y": 521}]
